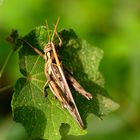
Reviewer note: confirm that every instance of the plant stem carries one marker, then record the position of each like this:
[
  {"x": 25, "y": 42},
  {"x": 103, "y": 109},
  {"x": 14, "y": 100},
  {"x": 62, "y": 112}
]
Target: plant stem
[
  {"x": 6, "y": 61},
  {"x": 5, "y": 88}
]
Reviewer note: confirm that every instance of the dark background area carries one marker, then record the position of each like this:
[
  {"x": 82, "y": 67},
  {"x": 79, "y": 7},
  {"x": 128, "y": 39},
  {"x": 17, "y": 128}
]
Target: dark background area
[{"x": 113, "y": 26}]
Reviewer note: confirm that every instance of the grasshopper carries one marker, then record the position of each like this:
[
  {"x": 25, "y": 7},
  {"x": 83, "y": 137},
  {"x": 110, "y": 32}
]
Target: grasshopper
[{"x": 58, "y": 77}]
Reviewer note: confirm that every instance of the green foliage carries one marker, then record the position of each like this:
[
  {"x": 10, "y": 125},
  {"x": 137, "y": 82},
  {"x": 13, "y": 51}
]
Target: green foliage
[{"x": 43, "y": 116}]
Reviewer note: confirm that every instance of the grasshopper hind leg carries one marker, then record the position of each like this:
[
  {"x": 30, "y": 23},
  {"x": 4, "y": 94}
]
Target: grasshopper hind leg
[{"x": 73, "y": 82}]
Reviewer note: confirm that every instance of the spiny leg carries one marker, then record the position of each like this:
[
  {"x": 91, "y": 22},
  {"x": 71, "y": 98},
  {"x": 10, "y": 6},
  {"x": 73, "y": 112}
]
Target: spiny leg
[
  {"x": 55, "y": 33},
  {"x": 60, "y": 41},
  {"x": 77, "y": 86}
]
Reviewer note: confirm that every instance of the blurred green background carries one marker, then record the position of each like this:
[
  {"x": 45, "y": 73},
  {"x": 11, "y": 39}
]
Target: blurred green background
[{"x": 112, "y": 25}]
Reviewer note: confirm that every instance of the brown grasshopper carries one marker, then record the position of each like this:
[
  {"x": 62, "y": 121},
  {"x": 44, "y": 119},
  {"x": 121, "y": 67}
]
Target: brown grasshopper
[{"x": 57, "y": 77}]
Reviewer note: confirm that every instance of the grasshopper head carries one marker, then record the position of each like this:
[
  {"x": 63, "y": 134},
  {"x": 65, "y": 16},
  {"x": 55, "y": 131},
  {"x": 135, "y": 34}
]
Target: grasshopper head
[{"x": 47, "y": 48}]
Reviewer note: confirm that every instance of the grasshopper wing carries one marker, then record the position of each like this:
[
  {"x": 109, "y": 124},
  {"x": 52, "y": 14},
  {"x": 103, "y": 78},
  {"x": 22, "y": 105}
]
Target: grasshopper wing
[{"x": 59, "y": 77}]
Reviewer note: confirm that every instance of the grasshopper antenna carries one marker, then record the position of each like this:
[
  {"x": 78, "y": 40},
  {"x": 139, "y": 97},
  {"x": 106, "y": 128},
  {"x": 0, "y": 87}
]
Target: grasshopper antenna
[{"x": 47, "y": 26}]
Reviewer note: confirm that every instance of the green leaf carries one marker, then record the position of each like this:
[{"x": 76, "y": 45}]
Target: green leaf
[
  {"x": 43, "y": 116},
  {"x": 13, "y": 39}
]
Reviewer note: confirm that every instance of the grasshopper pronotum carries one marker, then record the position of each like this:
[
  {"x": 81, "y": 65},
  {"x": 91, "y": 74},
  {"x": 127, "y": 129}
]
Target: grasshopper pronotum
[{"x": 57, "y": 77}]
